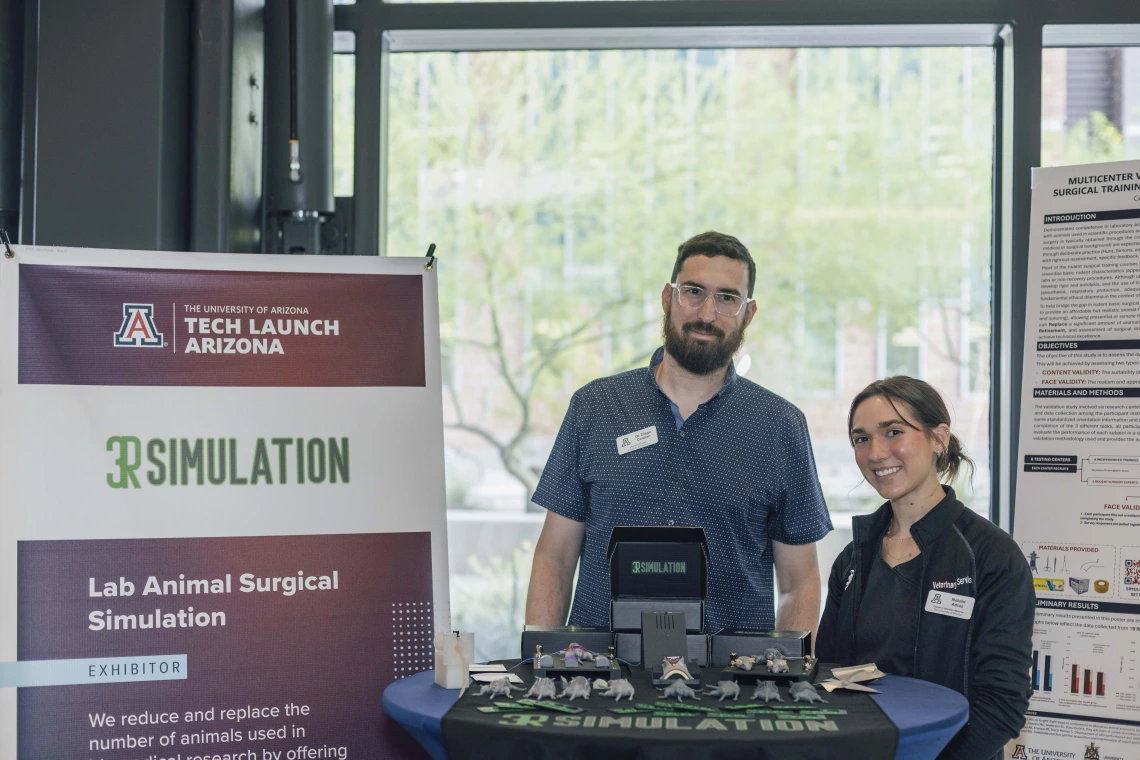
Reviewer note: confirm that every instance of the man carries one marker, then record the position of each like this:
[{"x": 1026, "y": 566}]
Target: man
[{"x": 728, "y": 456}]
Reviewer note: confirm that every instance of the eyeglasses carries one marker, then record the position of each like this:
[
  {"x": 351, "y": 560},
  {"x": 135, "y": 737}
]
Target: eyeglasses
[{"x": 694, "y": 297}]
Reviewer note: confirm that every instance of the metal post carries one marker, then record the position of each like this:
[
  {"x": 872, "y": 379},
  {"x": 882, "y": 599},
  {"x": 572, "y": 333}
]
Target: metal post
[{"x": 298, "y": 105}]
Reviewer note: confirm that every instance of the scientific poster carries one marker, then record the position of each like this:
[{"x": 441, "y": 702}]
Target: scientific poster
[
  {"x": 1078, "y": 487},
  {"x": 222, "y": 524}
]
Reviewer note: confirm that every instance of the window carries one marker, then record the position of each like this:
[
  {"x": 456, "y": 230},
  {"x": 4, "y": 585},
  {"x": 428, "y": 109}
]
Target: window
[
  {"x": 344, "y": 113},
  {"x": 558, "y": 185},
  {"x": 1090, "y": 105}
]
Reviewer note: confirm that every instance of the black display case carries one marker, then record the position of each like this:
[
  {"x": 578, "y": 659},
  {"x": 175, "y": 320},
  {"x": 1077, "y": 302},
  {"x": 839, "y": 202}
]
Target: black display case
[{"x": 657, "y": 569}]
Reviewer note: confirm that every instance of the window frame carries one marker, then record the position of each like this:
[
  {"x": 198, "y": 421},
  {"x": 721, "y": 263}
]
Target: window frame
[{"x": 381, "y": 28}]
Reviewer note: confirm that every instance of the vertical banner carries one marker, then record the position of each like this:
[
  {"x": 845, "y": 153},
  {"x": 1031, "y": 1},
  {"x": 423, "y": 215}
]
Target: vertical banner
[
  {"x": 222, "y": 517},
  {"x": 1078, "y": 485}
]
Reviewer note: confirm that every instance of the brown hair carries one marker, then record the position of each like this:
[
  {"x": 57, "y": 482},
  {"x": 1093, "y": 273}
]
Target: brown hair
[
  {"x": 927, "y": 406},
  {"x": 715, "y": 244}
]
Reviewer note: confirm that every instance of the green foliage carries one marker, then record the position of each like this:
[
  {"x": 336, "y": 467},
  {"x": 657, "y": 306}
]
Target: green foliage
[
  {"x": 558, "y": 185},
  {"x": 491, "y": 600},
  {"x": 1094, "y": 140}
]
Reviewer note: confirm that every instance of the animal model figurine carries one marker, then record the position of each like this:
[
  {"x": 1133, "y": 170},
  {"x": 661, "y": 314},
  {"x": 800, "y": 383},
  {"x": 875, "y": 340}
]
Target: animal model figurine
[
  {"x": 725, "y": 689},
  {"x": 767, "y": 691},
  {"x": 680, "y": 690},
  {"x": 498, "y": 688},
  {"x": 675, "y": 666},
  {"x": 543, "y": 687},
  {"x": 772, "y": 653},
  {"x": 580, "y": 652},
  {"x": 618, "y": 688},
  {"x": 802, "y": 691},
  {"x": 579, "y": 686},
  {"x": 745, "y": 663},
  {"x": 778, "y": 666},
  {"x": 601, "y": 683}
]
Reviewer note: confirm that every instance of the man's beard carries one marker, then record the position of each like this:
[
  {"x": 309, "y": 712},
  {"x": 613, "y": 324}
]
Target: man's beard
[{"x": 698, "y": 356}]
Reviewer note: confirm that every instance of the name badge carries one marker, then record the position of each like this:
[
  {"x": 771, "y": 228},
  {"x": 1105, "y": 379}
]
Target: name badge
[
  {"x": 953, "y": 605},
  {"x": 637, "y": 440}
]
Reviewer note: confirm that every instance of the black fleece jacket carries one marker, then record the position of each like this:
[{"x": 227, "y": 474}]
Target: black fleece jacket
[{"x": 985, "y": 658}]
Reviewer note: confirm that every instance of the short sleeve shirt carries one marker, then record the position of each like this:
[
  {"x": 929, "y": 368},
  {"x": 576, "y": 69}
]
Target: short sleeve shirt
[{"x": 740, "y": 466}]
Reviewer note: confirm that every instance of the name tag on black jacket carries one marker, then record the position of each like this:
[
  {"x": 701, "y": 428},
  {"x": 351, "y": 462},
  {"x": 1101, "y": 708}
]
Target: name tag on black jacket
[{"x": 952, "y": 605}]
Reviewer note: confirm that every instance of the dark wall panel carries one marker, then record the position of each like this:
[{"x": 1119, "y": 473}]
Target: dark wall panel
[
  {"x": 108, "y": 141},
  {"x": 11, "y": 106}
]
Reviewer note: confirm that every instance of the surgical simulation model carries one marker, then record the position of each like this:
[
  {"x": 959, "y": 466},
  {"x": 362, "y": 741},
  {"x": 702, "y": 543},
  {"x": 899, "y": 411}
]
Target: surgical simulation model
[
  {"x": 498, "y": 688},
  {"x": 802, "y": 691},
  {"x": 679, "y": 690},
  {"x": 619, "y": 687},
  {"x": 578, "y": 686},
  {"x": 675, "y": 666},
  {"x": 580, "y": 652},
  {"x": 724, "y": 689},
  {"x": 543, "y": 687},
  {"x": 778, "y": 666},
  {"x": 767, "y": 691},
  {"x": 745, "y": 663}
]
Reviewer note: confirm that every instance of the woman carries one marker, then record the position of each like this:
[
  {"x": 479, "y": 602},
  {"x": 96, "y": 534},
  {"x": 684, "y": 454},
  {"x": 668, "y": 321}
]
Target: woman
[{"x": 927, "y": 588}]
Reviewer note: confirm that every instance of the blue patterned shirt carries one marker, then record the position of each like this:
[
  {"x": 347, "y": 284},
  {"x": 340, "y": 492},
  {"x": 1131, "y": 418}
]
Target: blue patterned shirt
[{"x": 740, "y": 466}]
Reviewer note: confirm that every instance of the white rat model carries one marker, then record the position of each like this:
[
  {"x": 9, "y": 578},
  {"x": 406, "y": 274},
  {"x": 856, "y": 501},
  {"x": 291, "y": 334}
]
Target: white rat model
[
  {"x": 778, "y": 666},
  {"x": 725, "y": 689},
  {"x": 767, "y": 691},
  {"x": 543, "y": 687},
  {"x": 680, "y": 690},
  {"x": 802, "y": 691},
  {"x": 618, "y": 688},
  {"x": 498, "y": 688},
  {"x": 579, "y": 686}
]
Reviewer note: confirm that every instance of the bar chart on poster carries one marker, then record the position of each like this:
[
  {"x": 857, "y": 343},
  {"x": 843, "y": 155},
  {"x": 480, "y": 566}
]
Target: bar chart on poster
[{"x": 1084, "y": 670}]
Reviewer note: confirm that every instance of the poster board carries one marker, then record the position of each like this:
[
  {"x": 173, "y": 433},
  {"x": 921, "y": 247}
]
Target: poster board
[
  {"x": 1078, "y": 485},
  {"x": 222, "y": 514}
]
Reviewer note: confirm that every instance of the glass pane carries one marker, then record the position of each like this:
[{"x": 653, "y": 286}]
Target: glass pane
[
  {"x": 1090, "y": 106},
  {"x": 344, "y": 122},
  {"x": 558, "y": 186}
]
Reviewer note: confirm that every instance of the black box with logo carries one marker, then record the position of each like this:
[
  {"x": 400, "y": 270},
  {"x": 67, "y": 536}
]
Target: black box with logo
[{"x": 657, "y": 569}]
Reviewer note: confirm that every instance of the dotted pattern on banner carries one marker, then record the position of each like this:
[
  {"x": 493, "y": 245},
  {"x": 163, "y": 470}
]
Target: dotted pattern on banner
[{"x": 412, "y": 648}]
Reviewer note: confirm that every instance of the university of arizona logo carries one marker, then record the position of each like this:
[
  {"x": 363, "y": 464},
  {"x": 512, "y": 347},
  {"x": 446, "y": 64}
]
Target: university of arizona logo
[
  {"x": 1019, "y": 753},
  {"x": 138, "y": 327}
]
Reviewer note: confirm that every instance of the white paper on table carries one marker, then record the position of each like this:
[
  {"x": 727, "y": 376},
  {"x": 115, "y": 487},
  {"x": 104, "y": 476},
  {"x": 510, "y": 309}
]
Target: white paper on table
[
  {"x": 832, "y": 684},
  {"x": 489, "y": 677},
  {"x": 495, "y": 667},
  {"x": 855, "y": 673},
  {"x": 850, "y": 678}
]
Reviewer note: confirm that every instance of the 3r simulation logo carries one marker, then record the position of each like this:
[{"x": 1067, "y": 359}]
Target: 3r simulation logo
[{"x": 138, "y": 329}]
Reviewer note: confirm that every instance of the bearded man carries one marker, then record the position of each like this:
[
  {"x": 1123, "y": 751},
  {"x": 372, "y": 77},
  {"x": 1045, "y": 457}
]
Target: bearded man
[{"x": 687, "y": 442}]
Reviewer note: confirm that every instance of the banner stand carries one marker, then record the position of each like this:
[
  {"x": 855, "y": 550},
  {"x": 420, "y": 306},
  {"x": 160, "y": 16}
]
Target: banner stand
[{"x": 222, "y": 505}]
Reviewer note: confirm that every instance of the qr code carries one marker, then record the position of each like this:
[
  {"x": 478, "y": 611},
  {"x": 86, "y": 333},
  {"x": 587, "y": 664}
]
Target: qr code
[{"x": 1132, "y": 572}]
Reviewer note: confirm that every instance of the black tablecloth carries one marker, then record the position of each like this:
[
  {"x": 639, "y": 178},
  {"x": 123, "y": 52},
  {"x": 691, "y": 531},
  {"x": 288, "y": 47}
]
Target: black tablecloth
[{"x": 848, "y": 725}]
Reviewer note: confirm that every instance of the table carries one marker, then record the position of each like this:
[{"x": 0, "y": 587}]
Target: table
[{"x": 927, "y": 715}]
